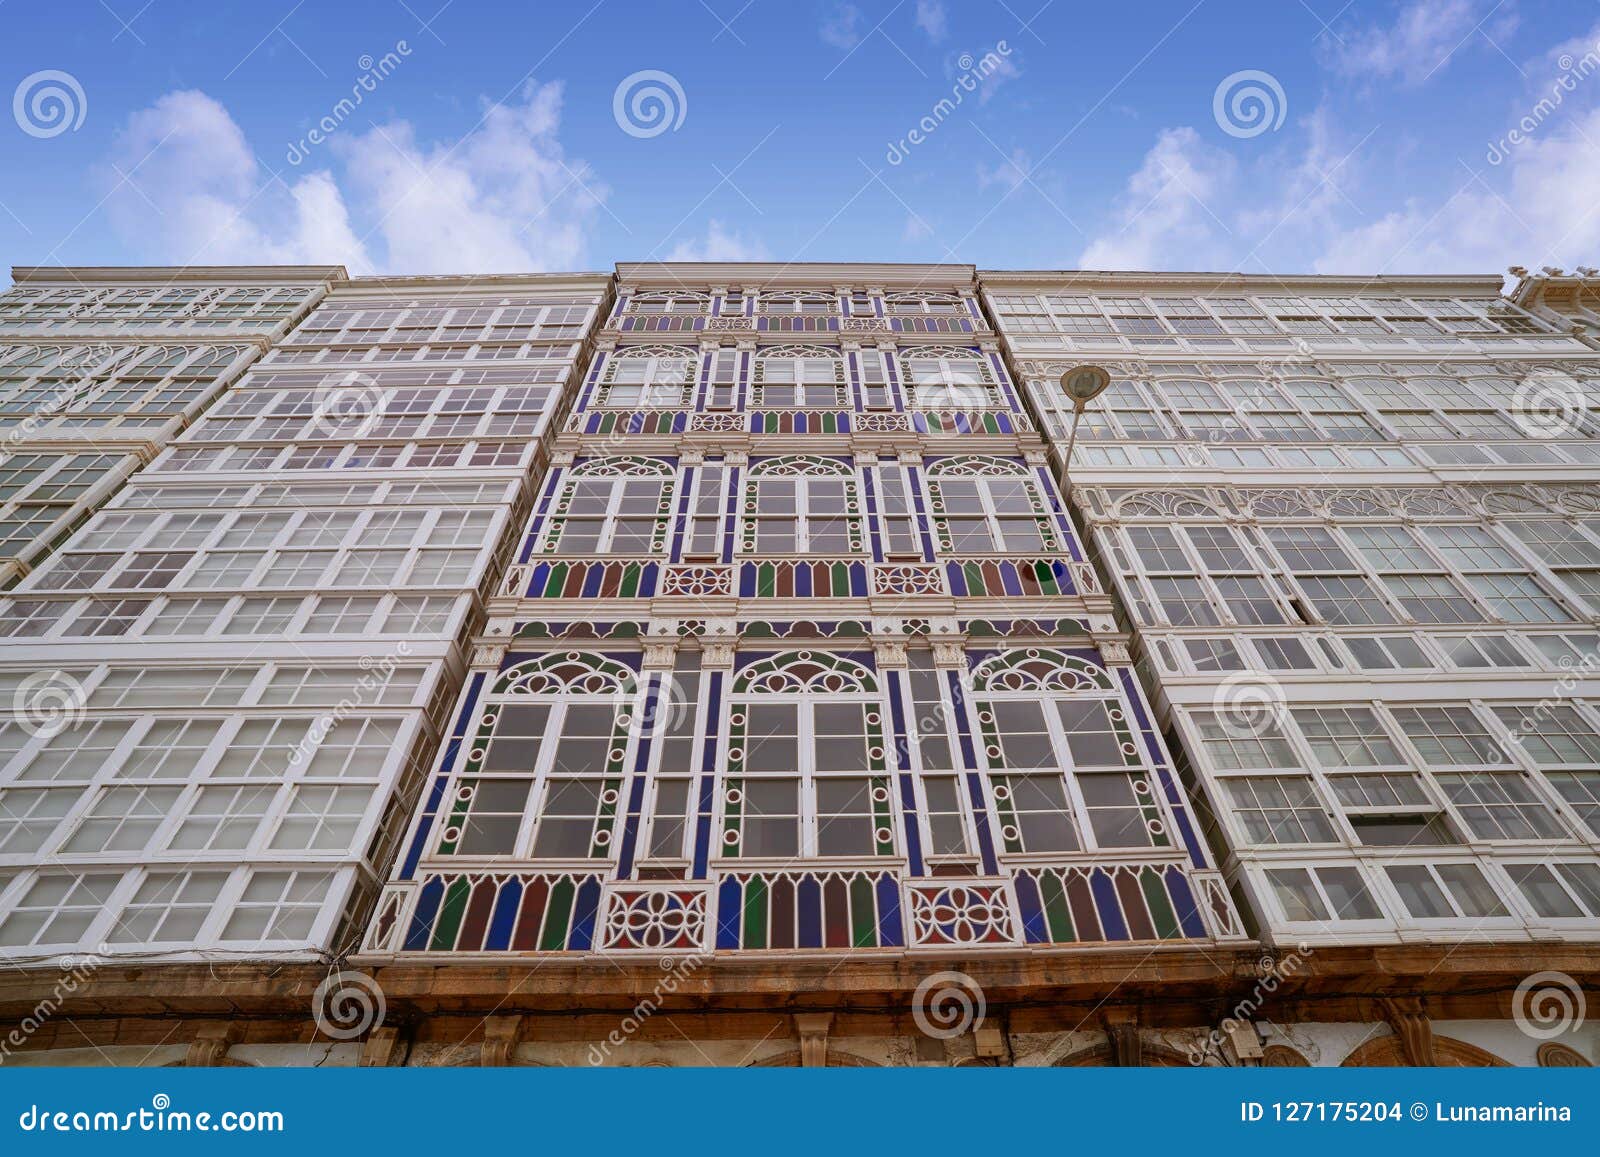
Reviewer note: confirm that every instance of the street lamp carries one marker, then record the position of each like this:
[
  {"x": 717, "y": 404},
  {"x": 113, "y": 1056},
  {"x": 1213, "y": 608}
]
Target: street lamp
[{"x": 1081, "y": 385}]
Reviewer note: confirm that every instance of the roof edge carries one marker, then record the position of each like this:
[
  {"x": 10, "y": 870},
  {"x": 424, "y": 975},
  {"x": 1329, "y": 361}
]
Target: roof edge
[{"x": 172, "y": 274}]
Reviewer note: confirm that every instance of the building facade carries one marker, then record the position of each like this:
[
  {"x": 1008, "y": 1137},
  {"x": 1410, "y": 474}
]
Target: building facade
[
  {"x": 1351, "y": 522},
  {"x": 723, "y": 664},
  {"x": 101, "y": 368},
  {"x": 234, "y": 676}
]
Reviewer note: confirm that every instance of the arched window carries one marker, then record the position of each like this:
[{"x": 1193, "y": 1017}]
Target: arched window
[
  {"x": 647, "y": 376},
  {"x": 807, "y": 771},
  {"x": 987, "y": 505},
  {"x": 615, "y": 505},
  {"x": 801, "y": 504},
  {"x": 1064, "y": 768},
  {"x": 804, "y": 377},
  {"x": 944, "y": 378},
  {"x": 544, "y": 771}
]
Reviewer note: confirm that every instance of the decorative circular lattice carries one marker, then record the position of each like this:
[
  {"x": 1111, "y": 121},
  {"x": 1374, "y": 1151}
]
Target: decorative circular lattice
[
  {"x": 1037, "y": 669},
  {"x": 568, "y": 672},
  {"x": 812, "y": 671}
]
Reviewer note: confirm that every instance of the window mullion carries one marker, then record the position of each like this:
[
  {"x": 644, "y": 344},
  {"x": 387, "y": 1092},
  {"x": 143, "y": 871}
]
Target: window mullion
[
  {"x": 807, "y": 770},
  {"x": 556, "y": 728}
]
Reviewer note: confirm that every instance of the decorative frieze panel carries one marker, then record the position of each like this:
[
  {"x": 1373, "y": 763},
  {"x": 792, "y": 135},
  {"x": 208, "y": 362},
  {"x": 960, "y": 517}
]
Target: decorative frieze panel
[
  {"x": 656, "y": 917},
  {"x": 796, "y": 909},
  {"x": 961, "y": 914},
  {"x": 702, "y": 581},
  {"x": 908, "y": 579}
]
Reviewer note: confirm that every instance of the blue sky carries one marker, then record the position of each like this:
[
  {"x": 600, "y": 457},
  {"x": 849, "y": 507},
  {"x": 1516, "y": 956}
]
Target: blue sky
[{"x": 1371, "y": 136}]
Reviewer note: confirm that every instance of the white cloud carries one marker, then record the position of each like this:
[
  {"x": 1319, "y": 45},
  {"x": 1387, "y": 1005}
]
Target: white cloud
[
  {"x": 842, "y": 27},
  {"x": 931, "y": 19},
  {"x": 185, "y": 188},
  {"x": 916, "y": 228},
  {"x": 719, "y": 244},
  {"x": 1542, "y": 212},
  {"x": 502, "y": 199},
  {"x": 1009, "y": 171},
  {"x": 1163, "y": 220},
  {"x": 1423, "y": 39},
  {"x": 1002, "y": 69},
  {"x": 1314, "y": 192}
]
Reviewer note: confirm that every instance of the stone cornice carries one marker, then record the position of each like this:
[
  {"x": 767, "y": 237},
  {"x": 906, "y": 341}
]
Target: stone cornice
[
  {"x": 473, "y": 283},
  {"x": 1089, "y": 281},
  {"x": 1177, "y": 985},
  {"x": 167, "y": 275},
  {"x": 824, "y": 275}
]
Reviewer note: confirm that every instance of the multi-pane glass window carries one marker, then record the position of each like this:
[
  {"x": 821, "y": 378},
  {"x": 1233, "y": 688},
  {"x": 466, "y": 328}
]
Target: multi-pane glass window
[
  {"x": 949, "y": 379},
  {"x": 801, "y": 505},
  {"x": 799, "y": 379},
  {"x": 547, "y": 768},
  {"x": 612, "y": 506},
  {"x": 988, "y": 506},
  {"x": 806, "y": 762},
  {"x": 1064, "y": 770}
]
